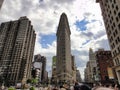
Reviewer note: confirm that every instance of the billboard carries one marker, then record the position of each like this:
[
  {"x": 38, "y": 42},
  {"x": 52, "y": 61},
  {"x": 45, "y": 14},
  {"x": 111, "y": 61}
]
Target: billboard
[{"x": 110, "y": 73}]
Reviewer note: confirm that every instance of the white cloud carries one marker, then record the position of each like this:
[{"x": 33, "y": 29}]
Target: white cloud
[{"x": 45, "y": 14}]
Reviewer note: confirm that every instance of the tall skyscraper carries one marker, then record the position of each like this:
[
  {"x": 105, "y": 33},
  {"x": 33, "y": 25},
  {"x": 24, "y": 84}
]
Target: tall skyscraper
[
  {"x": 17, "y": 40},
  {"x": 63, "y": 63},
  {"x": 42, "y": 59},
  {"x": 91, "y": 64},
  {"x": 1, "y": 2},
  {"x": 74, "y": 68},
  {"x": 87, "y": 73},
  {"x": 78, "y": 76},
  {"x": 111, "y": 15}
]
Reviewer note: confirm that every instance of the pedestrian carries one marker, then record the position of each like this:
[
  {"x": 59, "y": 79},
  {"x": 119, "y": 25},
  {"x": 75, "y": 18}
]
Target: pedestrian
[
  {"x": 103, "y": 88},
  {"x": 84, "y": 87},
  {"x": 49, "y": 88},
  {"x": 117, "y": 87},
  {"x": 76, "y": 86},
  {"x": 95, "y": 85},
  {"x": 62, "y": 88},
  {"x": 71, "y": 87}
]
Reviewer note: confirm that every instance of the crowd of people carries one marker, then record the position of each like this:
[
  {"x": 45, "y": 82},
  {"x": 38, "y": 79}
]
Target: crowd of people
[{"x": 81, "y": 86}]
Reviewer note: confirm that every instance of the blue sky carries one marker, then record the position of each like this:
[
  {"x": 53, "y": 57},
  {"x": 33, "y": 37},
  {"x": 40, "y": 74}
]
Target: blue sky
[
  {"x": 81, "y": 24},
  {"x": 47, "y": 40},
  {"x": 85, "y": 20}
]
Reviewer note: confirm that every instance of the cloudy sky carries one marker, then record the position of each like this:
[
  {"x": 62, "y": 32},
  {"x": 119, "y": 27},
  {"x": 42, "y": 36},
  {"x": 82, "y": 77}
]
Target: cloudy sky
[{"x": 85, "y": 20}]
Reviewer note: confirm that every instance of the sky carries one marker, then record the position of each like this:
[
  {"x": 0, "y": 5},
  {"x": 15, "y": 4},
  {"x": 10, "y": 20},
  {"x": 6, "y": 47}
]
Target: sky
[{"x": 85, "y": 21}]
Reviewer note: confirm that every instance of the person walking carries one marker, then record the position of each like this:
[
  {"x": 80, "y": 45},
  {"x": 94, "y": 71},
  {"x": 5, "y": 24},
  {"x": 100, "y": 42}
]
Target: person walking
[
  {"x": 81, "y": 86},
  {"x": 77, "y": 86},
  {"x": 62, "y": 88}
]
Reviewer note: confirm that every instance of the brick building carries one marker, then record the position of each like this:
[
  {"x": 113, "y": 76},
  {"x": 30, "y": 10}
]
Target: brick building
[{"x": 104, "y": 61}]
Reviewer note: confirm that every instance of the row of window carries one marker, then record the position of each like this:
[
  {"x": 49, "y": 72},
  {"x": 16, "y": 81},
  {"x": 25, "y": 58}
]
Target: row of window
[
  {"x": 117, "y": 62},
  {"x": 109, "y": 14},
  {"x": 113, "y": 1},
  {"x": 115, "y": 52},
  {"x": 116, "y": 42}
]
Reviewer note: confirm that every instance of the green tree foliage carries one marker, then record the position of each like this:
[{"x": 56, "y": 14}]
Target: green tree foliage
[
  {"x": 11, "y": 88},
  {"x": 34, "y": 81},
  {"x": 32, "y": 88}
]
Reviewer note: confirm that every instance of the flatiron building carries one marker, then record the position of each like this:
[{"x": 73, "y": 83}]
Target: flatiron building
[
  {"x": 1, "y": 2},
  {"x": 63, "y": 60}
]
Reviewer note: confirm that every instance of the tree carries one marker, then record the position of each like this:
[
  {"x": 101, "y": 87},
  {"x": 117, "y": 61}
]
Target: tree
[
  {"x": 32, "y": 88},
  {"x": 34, "y": 81},
  {"x": 11, "y": 88},
  {"x": 29, "y": 81}
]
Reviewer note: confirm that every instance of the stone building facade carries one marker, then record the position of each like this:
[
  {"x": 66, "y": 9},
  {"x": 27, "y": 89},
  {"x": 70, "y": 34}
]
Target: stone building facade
[
  {"x": 63, "y": 63},
  {"x": 111, "y": 16},
  {"x": 41, "y": 59},
  {"x": 1, "y": 2}
]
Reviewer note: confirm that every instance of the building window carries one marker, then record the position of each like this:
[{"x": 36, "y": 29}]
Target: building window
[
  {"x": 117, "y": 19},
  {"x": 114, "y": 1},
  {"x": 119, "y": 26},
  {"x": 114, "y": 34},
  {"x": 110, "y": 21},
  {"x": 116, "y": 31},
  {"x": 111, "y": 38},
  {"x": 110, "y": 12},
  {"x": 112, "y": 28},
  {"x": 119, "y": 49},
  {"x": 108, "y": 6},
  {"x": 108, "y": 15},
  {"x": 113, "y": 24},
  {"x": 114, "y": 12},
  {"x": 117, "y": 61},
  {"x": 119, "y": 14},
  {"x": 113, "y": 45},
  {"x": 118, "y": 39},
  {"x": 112, "y": 6},
  {"x": 117, "y": 8},
  {"x": 107, "y": 1}
]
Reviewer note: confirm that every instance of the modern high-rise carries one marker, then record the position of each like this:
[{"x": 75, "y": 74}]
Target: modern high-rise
[
  {"x": 42, "y": 59},
  {"x": 1, "y": 2},
  {"x": 63, "y": 63},
  {"x": 111, "y": 15},
  {"x": 17, "y": 40}
]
